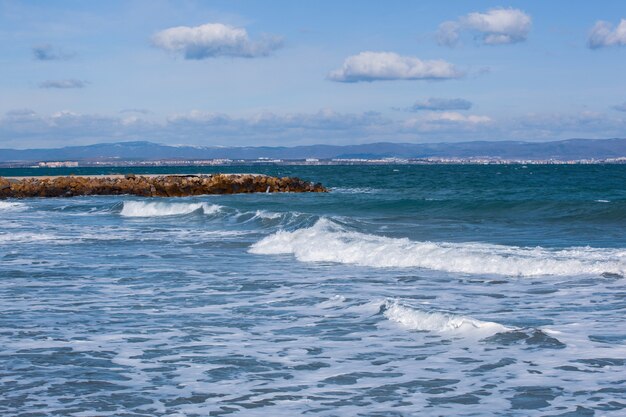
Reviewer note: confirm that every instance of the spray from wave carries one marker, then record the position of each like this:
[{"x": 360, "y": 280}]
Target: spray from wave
[
  {"x": 158, "y": 209},
  {"x": 433, "y": 321},
  {"x": 329, "y": 242}
]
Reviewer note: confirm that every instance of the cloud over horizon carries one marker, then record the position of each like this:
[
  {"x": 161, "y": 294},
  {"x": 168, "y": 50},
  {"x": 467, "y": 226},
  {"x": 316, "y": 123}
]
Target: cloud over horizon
[
  {"x": 603, "y": 34},
  {"x": 63, "y": 84},
  {"x": 214, "y": 40},
  {"x": 446, "y": 121},
  {"x": 21, "y": 128},
  {"x": 497, "y": 26},
  {"x": 377, "y": 66}
]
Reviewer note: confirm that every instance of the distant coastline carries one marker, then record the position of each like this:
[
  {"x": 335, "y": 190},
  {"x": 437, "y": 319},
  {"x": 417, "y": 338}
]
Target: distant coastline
[
  {"x": 329, "y": 162},
  {"x": 130, "y": 154}
]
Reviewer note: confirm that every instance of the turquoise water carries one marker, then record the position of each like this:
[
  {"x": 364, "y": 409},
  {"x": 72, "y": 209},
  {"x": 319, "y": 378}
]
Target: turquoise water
[{"x": 406, "y": 290}]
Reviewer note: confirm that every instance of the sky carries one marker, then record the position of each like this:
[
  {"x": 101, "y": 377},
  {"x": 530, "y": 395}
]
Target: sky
[{"x": 286, "y": 73}]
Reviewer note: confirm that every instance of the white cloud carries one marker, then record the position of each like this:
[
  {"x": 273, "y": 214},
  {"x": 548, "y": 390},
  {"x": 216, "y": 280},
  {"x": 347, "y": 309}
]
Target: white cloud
[
  {"x": 446, "y": 121},
  {"x": 213, "y": 40},
  {"x": 497, "y": 26},
  {"x": 374, "y": 66},
  {"x": 603, "y": 34},
  {"x": 323, "y": 120},
  {"x": 453, "y": 117},
  {"x": 63, "y": 84},
  {"x": 25, "y": 128}
]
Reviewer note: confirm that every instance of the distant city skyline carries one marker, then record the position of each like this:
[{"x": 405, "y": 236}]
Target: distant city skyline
[{"x": 280, "y": 73}]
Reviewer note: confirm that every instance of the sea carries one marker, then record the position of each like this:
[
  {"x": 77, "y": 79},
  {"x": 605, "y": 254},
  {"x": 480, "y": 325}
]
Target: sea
[{"x": 406, "y": 290}]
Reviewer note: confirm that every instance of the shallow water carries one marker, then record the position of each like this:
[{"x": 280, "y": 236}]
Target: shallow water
[{"x": 431, "y": 290}]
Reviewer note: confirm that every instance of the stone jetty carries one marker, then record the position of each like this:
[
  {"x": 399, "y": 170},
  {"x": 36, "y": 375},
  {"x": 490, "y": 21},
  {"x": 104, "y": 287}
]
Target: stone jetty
[{"x": 151, "y": 185}]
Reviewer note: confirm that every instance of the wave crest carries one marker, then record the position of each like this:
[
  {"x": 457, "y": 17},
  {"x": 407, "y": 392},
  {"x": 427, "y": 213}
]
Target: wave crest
[
  {"x": 433, "y": 321},
  {"x": 158, "y": 209},
  {"x": 328, "y": 242},
  {"x": 11, "y": 206}
]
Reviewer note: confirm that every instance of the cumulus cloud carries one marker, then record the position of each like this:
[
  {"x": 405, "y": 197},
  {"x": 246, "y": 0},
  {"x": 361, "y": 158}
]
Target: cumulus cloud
[
  {"x": 441, "y": 104},
  {"x": 63, "y": 84},
  {"x": 604, "y": 34},
  {"x": 374, "y": 66},
  {"x": 213, "y": 40},
  {"x": 48, "y": 52},
  {"x": 497, "y": 26}
]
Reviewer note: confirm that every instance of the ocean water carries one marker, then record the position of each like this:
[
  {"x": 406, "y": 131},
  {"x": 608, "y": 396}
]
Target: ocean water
[{"x": 405, "y": 290}]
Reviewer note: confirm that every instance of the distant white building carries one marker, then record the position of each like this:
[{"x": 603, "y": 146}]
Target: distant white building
[{"x": 58, "y": 164}]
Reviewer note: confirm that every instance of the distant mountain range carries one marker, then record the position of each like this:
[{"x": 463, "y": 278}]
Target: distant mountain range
[{"x": 562, "y": 150}]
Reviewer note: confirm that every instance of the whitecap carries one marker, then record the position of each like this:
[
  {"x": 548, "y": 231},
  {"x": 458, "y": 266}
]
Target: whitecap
[
  {"x": 439, "y": 322},
  {"x": 12, "y": 206},
  {"x": 334, "y": 301},
  {"x": 158, "y": 209},
  {"x": 267, "y": 215},
  {"x": 25, "y": 237},
  {"x": 327, "y": 241}
]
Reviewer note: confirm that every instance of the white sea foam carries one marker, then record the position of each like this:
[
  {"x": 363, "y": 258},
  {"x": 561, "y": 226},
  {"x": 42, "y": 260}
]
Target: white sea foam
[
  {"x": 157, "y": 209},
  {"x": 267, "y": 215},
  {"x": 334, "y": 301},
  {"x": 328, "y": 242},
  {"x": 11, "y": 206},
  {"x": 354, "y": 190},
  {"x": 433, "y": 321},
  {"x": 26, "y": 237}
]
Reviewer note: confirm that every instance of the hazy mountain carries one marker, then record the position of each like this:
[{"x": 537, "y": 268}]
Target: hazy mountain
[{"x": 565, "y": 149}]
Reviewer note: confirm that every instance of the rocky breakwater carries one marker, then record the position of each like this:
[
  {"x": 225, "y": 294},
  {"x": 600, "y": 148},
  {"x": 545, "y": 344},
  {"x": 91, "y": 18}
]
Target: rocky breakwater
[{"x": 151, "y": 185}]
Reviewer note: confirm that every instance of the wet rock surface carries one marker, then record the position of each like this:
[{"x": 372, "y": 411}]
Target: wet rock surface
[{"x": 152, "y": 186}]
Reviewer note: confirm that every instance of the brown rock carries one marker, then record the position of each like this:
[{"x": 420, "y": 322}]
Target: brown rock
[
  {"x": 4, "y": 184},
  {"x": 159, "y": 186}
]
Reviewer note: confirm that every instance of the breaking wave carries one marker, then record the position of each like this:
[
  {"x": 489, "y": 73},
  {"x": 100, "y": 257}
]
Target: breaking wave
[
  {"x": 11, "y": 206},
  {"x": 326, "y": 241},
  {"x": 157, "y": 209},
  {"x": 267, "y": 215},
  {"x": 433, "y": 321}
]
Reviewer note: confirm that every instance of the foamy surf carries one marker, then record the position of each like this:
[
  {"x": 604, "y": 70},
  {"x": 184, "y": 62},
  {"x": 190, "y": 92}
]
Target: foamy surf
[
  {"x": 11, "y": 206},
  {"x": 328, "y": 242},
  {"x": 158, "y": 209},
  {"x": 267, "y": 215},
  {"x": 433, "y": 321}
]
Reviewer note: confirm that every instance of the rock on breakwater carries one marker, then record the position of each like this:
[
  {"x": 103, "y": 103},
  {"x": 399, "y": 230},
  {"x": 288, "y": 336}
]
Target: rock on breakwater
[{"x": 151, "y": 185}]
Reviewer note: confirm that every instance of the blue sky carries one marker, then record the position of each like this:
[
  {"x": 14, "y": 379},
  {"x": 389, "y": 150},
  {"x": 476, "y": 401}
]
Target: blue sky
[{"x": 290, "y": 73}]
